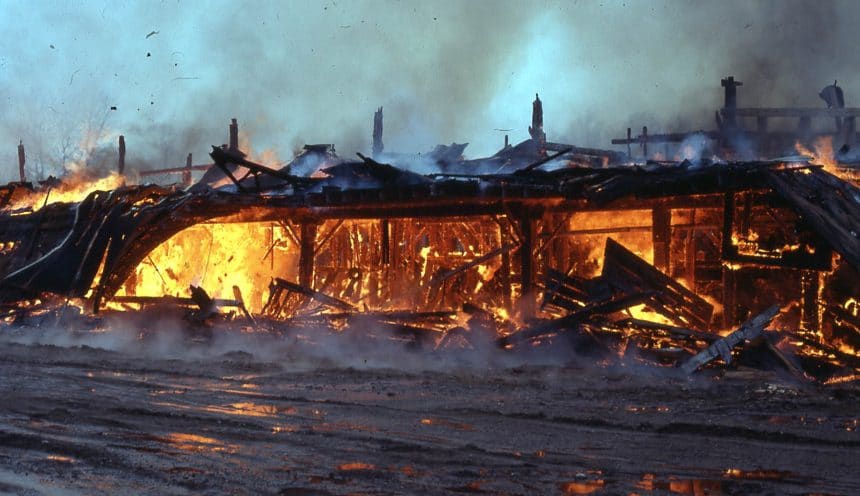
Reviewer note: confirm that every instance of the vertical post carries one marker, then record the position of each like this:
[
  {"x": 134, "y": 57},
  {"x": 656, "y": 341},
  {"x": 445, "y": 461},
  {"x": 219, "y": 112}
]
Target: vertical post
[
  {"x": 729, "y": 297},
  {"x": 506, "y": 141},
  {"x": 729, "y": 290},
  {"x": 385, "y": 228},
  {"x": 505, "y": 271},
  {"x": 661, "y": 236},
  {"x": 536, "y": 129},
  {"x": 120, "y": 163},
  {"x": 22, "y": 159},
  {"x": 234, "y": 134},
  {"x": 645, "y": 141},
  {"x": 690, "y": 254},
  {"x": 306, "y": 253},
  {"x": 378, "y": 146},
  {"x": 186, "y": 174},
  {"x": 809, "y": 285},
  {"x": 629, "y": 154},
  {"x": 527, "y": 228},
  {"x": 730, "y": 104}
]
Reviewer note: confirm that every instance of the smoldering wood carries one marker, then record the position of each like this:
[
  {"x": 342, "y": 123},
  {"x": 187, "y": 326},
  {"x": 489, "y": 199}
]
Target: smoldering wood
[
  {"x": 626, "y": 272},
  {"x": 567, "y": 322},
  {"x": 313, "y": 294},
  {"x": 722, "y": 348},
  {"x": 444, "y": 276}
]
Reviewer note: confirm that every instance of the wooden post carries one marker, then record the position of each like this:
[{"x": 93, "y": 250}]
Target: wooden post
[
  {"x": 378, "y": 146},
  {"x": 186, "y": 174},
  {"x": 690, "y": 253},
  {"x": 505, "y": 271},
  {"x": 809, "y": 285},
  {"x": 306, "y": 254},
  {"x": 120, "y": 163},
  {"x": 645, "y": 142},
  {"x": 661, "y": 236},
  {"x": 629, "y": 154},
  {"x": 234, "y": 134},
  {"x": 729, "y": 290},
  {"x": 527, "y": 228},
  {"x": 730, "y": 103},
  {"x": 385, "y": 228},
  {"x": 22, "y": 159}
]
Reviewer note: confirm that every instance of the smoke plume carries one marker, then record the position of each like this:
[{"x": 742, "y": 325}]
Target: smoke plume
[{"x": 314, "y": 72}]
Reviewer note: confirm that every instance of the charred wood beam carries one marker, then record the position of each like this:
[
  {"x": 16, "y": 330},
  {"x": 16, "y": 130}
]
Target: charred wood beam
[
  {"x": 708, "y": 337},
  {"x": 526, "y": 222},
  {"x": 174, "y": 170},
  {"x": 327, "y": 236},
  {"x": 567, "y": 322},
  {"x": 723, "y": 347},
  {"x": 442, "y": 277},
  {"x": 798, "y": 112},
  {"x": 323, "y": 298},
  {"x": 307, "y": 249},
  {"x": 830, "y": 206},
  {"x": 535, "y": 165},
  {"x": 623, "y": 270},
  {"x": 661, "y": 236}
]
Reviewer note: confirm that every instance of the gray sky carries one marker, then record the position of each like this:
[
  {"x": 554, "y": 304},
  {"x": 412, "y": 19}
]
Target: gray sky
[{"x": 297, "y": 72}]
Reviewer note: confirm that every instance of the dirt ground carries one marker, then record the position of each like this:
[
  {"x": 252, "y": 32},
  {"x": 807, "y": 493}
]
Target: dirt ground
[{"x": 194, "y": 418}]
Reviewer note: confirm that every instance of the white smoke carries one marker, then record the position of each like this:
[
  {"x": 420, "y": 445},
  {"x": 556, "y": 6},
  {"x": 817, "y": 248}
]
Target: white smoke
[{"x": 313, "y": 72}]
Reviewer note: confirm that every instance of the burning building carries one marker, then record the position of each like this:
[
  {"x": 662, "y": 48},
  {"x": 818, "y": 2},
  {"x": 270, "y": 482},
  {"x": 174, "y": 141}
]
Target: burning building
[{"x": 542, "y": 244}]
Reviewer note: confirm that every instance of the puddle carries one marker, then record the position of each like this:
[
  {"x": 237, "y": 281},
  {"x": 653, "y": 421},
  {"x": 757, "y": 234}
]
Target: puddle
[
  {"x": 281, "y": 428},
  {"x": 343, "y": 426},
  {"x": 447, "y": 423},
  {"x": 355, "y": 466},
  {"x": 61, "y": 459},
  {"x": 769, "y": 475},
  {"x": 199, "y": 444},
  {"x": 582, "y": 487},
  {"x": 675, "y": 485}
]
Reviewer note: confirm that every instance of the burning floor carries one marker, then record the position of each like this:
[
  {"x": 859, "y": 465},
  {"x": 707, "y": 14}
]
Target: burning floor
[{"x": 689, "y": 300}]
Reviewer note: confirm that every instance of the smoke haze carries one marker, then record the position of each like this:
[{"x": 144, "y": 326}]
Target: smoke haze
[{"x": 313, "y": 72}]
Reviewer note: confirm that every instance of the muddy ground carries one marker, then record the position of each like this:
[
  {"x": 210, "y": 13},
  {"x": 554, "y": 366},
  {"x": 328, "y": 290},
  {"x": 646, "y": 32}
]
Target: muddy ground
[{"x": 95, "y": 416}]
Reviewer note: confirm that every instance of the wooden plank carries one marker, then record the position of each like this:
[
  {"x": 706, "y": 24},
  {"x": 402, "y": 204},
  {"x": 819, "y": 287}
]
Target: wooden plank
[
  {"x": 628, "y": 273},
  {"x": 723, "y": 347},
  {"x": 567, "y": 322},
  {"x": 313, "y": 294}
]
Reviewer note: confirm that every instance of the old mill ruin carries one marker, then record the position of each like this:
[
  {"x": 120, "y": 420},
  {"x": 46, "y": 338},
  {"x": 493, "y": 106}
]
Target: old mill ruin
[{"x": 746, "y": 252}]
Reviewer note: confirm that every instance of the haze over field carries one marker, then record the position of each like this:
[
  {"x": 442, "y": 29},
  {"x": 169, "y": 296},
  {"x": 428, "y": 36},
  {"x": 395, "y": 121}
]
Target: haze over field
[{"x": 310, "y": 72}]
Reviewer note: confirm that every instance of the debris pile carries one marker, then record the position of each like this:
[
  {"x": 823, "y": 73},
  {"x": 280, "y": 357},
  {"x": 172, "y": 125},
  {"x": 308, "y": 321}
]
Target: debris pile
[{"x": 685, "y": 264}]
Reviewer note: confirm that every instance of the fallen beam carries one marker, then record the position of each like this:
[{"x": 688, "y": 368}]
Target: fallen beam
[
  {"x": 750, "y": 329},
  {"x": 325, "y": 299}
]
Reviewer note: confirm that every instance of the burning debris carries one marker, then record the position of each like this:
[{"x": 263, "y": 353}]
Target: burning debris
[{"x": 540, "y": 246}]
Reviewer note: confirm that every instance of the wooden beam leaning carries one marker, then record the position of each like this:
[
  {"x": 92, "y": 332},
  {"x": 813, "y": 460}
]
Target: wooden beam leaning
[
  {"x": 723, "y": 347},
  {"x": 626, "y": 272}
]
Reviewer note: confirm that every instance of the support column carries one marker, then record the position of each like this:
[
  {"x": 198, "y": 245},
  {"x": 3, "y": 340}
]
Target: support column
[
  {"x": 120, "y": 163},
  {"x": 729, "y": 293},
  {"x": 306, "y": 254},
  {"x": 22, "y": 159},
  {"x": 527, "y": 297},
  {"x": 505, "y": 271},
  {"x": 661, "y": 236},
  {"x": 385, "y": 228},
  {"x": 729, "y": 298},
  {"x": 186, "y": 174},
  {"x": 234, "y": 134},
  {"x": 809, "y": 286}
]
